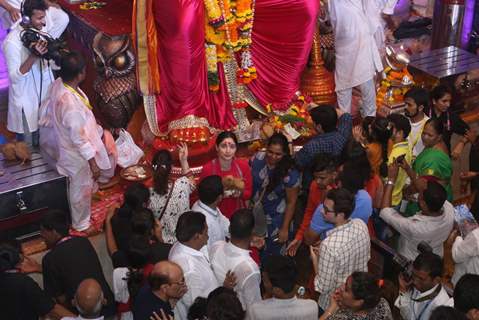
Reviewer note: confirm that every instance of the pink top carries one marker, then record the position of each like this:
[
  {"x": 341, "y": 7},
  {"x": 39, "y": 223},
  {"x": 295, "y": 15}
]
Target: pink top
[{"x": 239, "y": 169}]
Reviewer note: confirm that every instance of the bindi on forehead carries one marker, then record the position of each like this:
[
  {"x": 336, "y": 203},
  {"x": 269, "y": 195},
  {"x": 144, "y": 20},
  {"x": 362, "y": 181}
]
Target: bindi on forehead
[{"x": 228, "y": 144}]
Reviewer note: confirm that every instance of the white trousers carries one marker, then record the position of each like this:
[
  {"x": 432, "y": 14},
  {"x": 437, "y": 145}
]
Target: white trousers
[
  {"x": 368, "y": 95},
  {"x": 82, "y": 186}
]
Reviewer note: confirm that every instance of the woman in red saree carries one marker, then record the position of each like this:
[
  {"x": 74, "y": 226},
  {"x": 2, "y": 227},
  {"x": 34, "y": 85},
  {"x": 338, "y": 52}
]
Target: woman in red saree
[{"x": 281, "y": 40}]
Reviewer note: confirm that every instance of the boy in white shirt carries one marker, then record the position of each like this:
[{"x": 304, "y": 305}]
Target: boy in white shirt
[{"x": 210, "y": 191}]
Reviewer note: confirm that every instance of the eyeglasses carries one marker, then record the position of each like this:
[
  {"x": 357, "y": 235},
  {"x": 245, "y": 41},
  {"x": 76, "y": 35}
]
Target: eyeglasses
[
  {"x": 327, "y": 210},
  {"x": 180, "y": 283}
]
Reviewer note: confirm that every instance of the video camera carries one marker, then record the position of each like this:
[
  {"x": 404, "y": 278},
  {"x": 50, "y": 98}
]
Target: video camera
[
  {"x": 54, "y": 46},
  {"x": 404, "y": 264}
]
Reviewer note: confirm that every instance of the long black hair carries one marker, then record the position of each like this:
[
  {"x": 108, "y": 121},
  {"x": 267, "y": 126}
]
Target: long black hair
[
  {"x": 282, "y": 167},
  {"x": 138, "y": 256},
  {"x": 162, "y": 162},
  {"x": 437, "y": 93},
  {"x": 356, "y": 169},
  {"x": 136, "y": 196}
]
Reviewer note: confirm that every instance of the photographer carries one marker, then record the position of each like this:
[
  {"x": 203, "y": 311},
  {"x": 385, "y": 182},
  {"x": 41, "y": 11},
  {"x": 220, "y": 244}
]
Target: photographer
[
  {"x": 29, "y": 75},
  {"x": 56, "y": 18},
  {"x": 421, "y": 294}
]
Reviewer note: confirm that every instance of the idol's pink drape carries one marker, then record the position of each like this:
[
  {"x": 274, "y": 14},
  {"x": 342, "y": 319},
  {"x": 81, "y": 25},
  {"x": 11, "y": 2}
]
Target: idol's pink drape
[{"x": 282, "y": 36}]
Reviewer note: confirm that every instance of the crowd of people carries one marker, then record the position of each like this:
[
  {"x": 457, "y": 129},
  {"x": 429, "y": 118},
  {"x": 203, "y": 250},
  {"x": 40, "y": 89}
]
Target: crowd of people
[
  {"x": 231, "y": 253},
  {"x": 225, "y": 245}
]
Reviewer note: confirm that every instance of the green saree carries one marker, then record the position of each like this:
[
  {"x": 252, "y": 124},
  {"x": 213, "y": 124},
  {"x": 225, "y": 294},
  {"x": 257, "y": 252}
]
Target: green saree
[{"x": 432, "y": 162}]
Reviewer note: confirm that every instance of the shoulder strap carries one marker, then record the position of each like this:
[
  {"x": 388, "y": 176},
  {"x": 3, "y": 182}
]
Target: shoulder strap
[{"x": 167, "y": 201}]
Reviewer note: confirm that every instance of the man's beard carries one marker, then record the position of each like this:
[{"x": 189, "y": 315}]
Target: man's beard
[{"x": 407, "y": 114}]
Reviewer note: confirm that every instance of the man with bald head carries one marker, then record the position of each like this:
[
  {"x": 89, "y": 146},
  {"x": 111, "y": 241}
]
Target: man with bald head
[
  {"x": 88, "y": 300},
  {"x": 166, "y": 285}
]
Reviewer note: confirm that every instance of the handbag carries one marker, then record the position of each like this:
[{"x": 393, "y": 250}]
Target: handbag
[
  {"x": 260, "y": 223},
  {"x": 128, "y": 152}
]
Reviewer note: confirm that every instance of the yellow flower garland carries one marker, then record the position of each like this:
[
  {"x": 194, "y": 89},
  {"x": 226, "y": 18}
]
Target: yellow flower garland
[{"x": 228, "y": 26}]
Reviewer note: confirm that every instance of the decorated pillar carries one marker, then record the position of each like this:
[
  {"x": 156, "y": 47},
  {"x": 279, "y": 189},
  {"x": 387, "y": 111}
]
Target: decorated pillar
[{"x": 317, "y": 82}]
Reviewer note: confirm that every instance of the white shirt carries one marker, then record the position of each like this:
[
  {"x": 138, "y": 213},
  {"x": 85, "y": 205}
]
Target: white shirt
[
  {"x": 465, "y": 253},
  {"x": 283, "y": 309},
  {"x": 346, "y": 249},
  {"x": 432, "y": 230},
  {"x": 199, "y": 276},
  {"x": 120, "y": 290},
  {"x": 420, "y": 310},
  {"x": 414, "y": 138},
  {"x": 226, "y": 256},
  {"x": 218, "y": 224}
]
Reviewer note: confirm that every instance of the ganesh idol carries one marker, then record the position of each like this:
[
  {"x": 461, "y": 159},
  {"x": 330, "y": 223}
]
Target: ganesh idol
[{"x": 200, "y": 62}]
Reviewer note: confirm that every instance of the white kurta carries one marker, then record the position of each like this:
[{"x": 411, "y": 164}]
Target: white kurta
[
  {"x": 225, "y": 257},
  {"x": 375, "y": 9},
  {"x": 79, "y": 139},
  {"x": 26, "y": 90},
  {"x": 199, "y": 276},
  {"x": 357, "y": 54}
]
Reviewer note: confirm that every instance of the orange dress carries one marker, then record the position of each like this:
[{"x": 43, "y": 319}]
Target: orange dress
[{"x": 375, "y": 156}]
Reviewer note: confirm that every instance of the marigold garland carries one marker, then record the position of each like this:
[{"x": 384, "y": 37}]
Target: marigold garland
[{"x": 229, "y": 24}]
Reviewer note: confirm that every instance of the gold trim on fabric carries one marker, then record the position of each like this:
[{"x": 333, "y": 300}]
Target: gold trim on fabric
[
  {"x": 189, "y": 121},
  {"x": 141, "y": 44},
  {"x": 149, "y": 103}
]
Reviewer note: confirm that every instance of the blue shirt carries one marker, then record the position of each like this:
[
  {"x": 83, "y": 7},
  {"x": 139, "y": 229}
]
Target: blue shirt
[
  {"x": 362, "y": 210},
  {"x": 330, "y": 142}
]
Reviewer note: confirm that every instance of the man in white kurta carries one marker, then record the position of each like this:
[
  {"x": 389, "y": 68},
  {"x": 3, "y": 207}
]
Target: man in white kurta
[
  {"x": 79, "y": 138},
  {"x": 235, "y": 256},
  {"x": 30, "y": 76},
  {"x": 190, "y": 253},
  {"x": 356, "y": 24}
]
